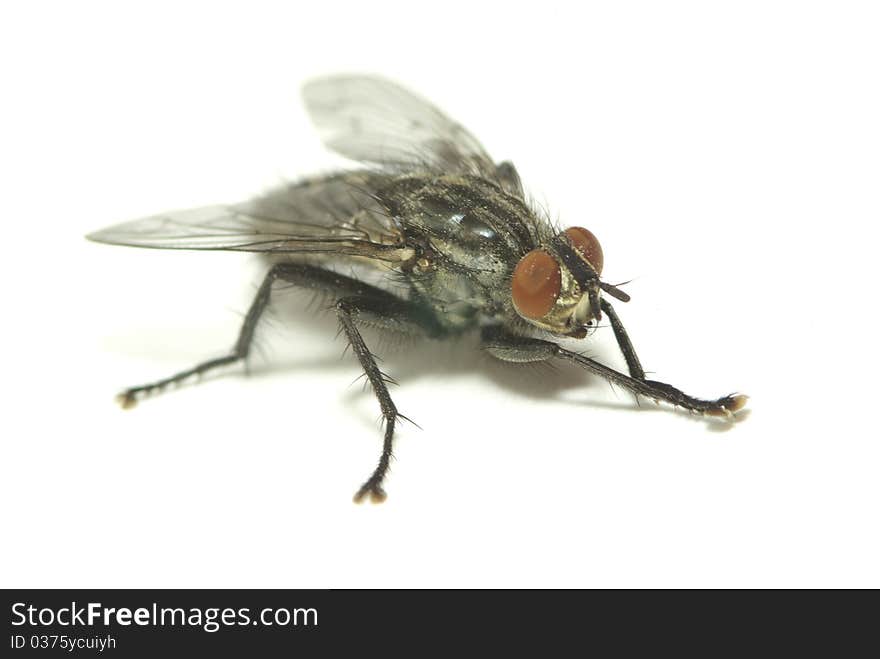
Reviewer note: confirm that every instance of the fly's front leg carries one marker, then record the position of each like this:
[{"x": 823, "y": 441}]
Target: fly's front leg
[
  {"x": 511, "y": 348},
  {"x": 298, "y": 274},
  {"x": 389, "y": 313},
  {"x": 626, "y": 347}
]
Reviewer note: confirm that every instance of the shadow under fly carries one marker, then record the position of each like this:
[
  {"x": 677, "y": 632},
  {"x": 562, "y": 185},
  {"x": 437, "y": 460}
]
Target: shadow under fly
[{"x": 429, "y": 238}]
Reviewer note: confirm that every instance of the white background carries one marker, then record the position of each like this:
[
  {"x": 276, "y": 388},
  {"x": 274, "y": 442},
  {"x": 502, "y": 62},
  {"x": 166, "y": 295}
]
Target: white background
[{"x": 726, "y": 154}]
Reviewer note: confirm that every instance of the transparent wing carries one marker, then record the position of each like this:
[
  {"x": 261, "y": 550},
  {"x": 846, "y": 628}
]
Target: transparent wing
[
  {"x": 373, "y": 120},
  {"x": 336, "y": 214}
]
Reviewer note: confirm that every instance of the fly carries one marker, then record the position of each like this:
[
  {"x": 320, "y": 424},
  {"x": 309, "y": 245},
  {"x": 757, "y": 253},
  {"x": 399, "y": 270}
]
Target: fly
[{"x": 466, "y": 249}]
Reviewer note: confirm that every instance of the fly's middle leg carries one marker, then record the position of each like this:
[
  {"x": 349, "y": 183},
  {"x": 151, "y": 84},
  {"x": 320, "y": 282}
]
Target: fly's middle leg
[{"x": 349, "y": 310}]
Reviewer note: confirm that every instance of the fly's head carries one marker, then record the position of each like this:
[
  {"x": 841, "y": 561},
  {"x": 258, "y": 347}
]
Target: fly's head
[{"x": 557, "y": 286}]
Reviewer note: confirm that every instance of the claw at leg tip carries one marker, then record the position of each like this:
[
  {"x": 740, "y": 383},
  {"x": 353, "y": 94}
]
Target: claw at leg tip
[
  {"x": 376, "y": 495},
  {"x": 729, "y": 406},
  {"x": 126, "y": 401},
  {"x": 739, "y": 402}
]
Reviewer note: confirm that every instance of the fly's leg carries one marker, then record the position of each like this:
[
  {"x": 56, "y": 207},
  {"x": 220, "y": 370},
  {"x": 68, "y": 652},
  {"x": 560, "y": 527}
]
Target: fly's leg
[
  {"x": 356, "y": 302},
  {"x": 389, "y": 313},
  {"x": 240, "y": 351},
  {"x": 302, "y": 275},
  {"x": 626, "y": 347},
  {"x": 511, "y": 348}
]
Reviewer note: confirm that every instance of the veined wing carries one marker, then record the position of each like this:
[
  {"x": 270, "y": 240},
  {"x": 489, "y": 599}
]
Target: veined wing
[
  {"x": 373, "y": 120},
  {"x": 333, "y": 215}
]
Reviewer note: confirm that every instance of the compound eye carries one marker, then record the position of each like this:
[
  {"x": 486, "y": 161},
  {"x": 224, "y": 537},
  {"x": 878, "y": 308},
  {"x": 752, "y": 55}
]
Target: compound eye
[
  {"x": 536, "y": 284},
  {"x": 588, "y": 245}
]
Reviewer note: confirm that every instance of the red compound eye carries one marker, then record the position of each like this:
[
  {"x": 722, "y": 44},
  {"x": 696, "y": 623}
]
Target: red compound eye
[
  {"x": 588, "y": 245},
  {"x": 536, "y": 284}
]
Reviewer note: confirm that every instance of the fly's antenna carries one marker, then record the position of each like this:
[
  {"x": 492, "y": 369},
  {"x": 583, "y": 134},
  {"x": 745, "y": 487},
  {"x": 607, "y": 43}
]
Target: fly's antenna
[{"x": 615, "y": 292}]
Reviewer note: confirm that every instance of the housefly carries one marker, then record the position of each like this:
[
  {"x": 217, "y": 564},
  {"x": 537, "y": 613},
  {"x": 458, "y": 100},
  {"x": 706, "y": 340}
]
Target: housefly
[{"x": 434, "y": 238}]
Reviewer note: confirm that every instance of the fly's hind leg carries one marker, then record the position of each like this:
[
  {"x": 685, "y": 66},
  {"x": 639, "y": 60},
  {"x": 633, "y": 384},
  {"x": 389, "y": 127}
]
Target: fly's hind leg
[
  {"x": 356, "y": 302},
  {"x": 302, "y": 275},
  {"x": 239, "y": 352}
]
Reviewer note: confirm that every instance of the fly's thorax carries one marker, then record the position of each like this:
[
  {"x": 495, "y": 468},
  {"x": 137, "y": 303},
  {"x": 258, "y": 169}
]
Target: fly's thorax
[
  {"x": 472, "y": 213},
  {"x": 466, "y": 231},
  {"x": 455, "y": 294}
]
